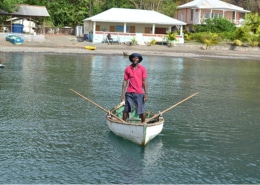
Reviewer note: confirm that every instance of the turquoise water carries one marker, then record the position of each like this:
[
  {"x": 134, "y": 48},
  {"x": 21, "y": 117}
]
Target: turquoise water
[{"x": 51, "y": 135}]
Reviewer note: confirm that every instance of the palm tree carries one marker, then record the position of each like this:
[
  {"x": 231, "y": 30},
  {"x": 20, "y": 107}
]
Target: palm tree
[
  {"x": 252, "y": 20},
  {"x": 170, "y": 37}
]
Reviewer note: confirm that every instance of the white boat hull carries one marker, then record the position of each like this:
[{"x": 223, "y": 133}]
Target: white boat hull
[{"x": 139, "y": 133}]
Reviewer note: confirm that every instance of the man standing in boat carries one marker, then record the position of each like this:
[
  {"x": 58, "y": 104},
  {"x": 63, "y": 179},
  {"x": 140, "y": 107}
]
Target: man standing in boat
[{"x": 134, "y": 87}]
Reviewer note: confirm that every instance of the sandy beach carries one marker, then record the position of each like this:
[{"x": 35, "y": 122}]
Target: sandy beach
[{"x": 69, "y": 44}]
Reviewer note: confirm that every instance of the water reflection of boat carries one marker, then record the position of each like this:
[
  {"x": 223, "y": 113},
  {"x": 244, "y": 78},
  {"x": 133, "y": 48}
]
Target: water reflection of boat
[
  {"x": 153, "y": 152},
  {"x": 149, "y": 153}
]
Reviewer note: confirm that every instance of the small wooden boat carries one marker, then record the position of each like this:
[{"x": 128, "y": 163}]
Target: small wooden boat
[
  {"x": 90, "y": 47},
  {"x": 14, "y": 39},
  {"x": 133, "y": 129}
]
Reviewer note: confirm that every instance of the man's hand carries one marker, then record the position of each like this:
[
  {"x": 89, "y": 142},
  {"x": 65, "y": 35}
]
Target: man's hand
[
  {"x": 122, "y": 97},
  {"x": 145, "y": 97}
]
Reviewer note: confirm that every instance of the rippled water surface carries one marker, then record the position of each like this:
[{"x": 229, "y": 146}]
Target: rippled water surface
[{"x": 49, "y": 134}]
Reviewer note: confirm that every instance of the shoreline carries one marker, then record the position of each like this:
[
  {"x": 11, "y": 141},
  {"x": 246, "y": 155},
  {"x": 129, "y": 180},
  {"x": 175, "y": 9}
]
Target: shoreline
[{"x": 68, "y": 44}]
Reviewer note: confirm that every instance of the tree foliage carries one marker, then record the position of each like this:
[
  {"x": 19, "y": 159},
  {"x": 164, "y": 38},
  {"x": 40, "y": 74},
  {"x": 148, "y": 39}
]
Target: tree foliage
[
  {"x": 64, "y": 12},
  {"x": 210, "y": 39},
  {"x": 250, "y": 31},
  {"x": 216, "y": 25},
  {"x": 252, "y": 21},
  {"x": 72, "y": 12},
  {"x": 207, "y": 38},
  {"x": 9, "y": 5},
  {"x": 168, "y": 8},
  {"x": 252, "y": 5}
]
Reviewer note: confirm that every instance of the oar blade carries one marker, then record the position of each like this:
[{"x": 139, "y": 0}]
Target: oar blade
[
  {"x": 99, "y": 106},
  {"x": 171, "y": 107}
]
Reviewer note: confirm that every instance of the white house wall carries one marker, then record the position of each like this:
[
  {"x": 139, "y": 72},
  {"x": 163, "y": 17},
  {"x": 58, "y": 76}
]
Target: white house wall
[
  {"x": 27, "y": 25},
  {"x": 105, "y": 27},
  {"x": 141, "y": 38},
  {"x": 88, "y": 27},
  {"x": 99, "y": 36}
]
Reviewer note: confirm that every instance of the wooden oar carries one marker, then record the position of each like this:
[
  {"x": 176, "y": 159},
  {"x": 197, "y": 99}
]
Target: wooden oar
[
  {"x": 102, "y": 108},
  {"x": 166, "y": 110}
]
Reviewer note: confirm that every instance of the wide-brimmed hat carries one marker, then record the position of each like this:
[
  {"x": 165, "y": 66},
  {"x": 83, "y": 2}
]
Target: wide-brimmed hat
[{"x": 135, "y": 55}]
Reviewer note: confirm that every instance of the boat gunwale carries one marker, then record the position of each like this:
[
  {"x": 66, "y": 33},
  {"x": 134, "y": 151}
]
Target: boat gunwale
[{"x": 114, "y": 120}]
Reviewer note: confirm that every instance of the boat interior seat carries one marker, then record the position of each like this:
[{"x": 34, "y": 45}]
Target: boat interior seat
[{"x": 133, "y": 116}]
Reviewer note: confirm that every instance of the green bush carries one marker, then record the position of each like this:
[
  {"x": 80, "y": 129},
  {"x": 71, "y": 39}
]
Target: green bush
[
  {"x": 170, "y": 37},
  {"x": 196, "y": 36},
  {"x": 133, "y": 41},
  {"x": 216, "y": 25},
  {"x": 227, "y": 36},
  {"x": 200, "y": 37},
  {"x": 152, "y": 42},
  {"x": 238, "y": 42},
  {"x": 187, "y": 37},
  {"x": 249, "y": 32}
]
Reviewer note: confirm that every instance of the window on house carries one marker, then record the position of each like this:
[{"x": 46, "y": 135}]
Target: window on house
[
  {"x": 216, "y": 15},
  {"x": 132, "y": 29},
  {"x": 120, "y": 28},
  {"x": 207, "y": 15},
  {"x": 191, "y": 14},
  {"x": 182, "y": 16},
  {"x": 97, "y": 27},
  {"x": 233, "y": 15},
  {"x": 112, "y": 28},
  {"x": 147, "y": 30}
]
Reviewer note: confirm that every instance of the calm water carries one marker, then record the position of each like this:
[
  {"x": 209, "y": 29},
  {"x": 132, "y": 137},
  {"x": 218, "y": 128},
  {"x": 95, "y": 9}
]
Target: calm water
[{"x": 49, "y": 134}]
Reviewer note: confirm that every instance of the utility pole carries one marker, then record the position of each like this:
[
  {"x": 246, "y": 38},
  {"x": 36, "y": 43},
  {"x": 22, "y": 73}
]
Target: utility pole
[{"x": 90, "y": 8}]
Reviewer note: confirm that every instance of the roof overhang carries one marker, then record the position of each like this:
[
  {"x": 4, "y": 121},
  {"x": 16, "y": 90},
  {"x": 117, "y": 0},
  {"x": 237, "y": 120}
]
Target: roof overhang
[
  {"x": 134, "y": 16},
  {"x": 213, "y": 5},
  {"x": 223, "y": 9},
  {"x": 28, "y": 11}
]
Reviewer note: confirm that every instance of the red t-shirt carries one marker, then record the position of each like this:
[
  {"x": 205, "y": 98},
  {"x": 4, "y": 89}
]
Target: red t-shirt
[{"x": 135, "y": 78}]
